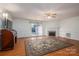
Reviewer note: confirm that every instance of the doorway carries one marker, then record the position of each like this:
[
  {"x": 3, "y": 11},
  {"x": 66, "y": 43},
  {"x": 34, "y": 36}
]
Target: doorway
[{"x": 36, "y": 29}]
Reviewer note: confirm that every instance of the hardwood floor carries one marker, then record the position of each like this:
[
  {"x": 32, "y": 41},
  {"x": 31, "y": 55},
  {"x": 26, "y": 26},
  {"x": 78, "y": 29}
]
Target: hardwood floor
[{"x": 19, "y": 49}]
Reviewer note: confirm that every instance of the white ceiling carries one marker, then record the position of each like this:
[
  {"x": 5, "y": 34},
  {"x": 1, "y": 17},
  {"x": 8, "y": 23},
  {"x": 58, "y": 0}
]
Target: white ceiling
[{"x": 35, "y": 11}]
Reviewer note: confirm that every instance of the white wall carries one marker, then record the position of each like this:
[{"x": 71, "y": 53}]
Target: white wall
[
  {"x": 70, "y": 25},
  {"x": 62, "y": 27},
  {"x": 51, "y": 26},
  {"x": 22, "y": 27}
]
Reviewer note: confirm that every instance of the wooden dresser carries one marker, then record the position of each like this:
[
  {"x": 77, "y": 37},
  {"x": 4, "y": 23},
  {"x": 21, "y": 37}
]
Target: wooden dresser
[{"x": 7, "y": 39}]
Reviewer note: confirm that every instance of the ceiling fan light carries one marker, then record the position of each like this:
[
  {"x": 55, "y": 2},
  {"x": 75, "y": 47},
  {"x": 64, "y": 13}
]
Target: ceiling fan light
[{"x": 49, "y": 17}]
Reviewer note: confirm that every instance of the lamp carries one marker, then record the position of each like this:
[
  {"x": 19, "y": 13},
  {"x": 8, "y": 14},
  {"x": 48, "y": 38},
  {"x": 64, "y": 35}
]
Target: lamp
[{"x": 5, "y": 16}]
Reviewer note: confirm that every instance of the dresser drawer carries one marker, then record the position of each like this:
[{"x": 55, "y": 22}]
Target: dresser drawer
[
  {"x": 0, "y": 35},
  {"x": 0, "y": 41}
]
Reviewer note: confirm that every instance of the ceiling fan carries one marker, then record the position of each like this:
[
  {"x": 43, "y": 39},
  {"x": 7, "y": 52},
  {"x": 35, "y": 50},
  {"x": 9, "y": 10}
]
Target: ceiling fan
[{"x": 50, "y": 14}]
